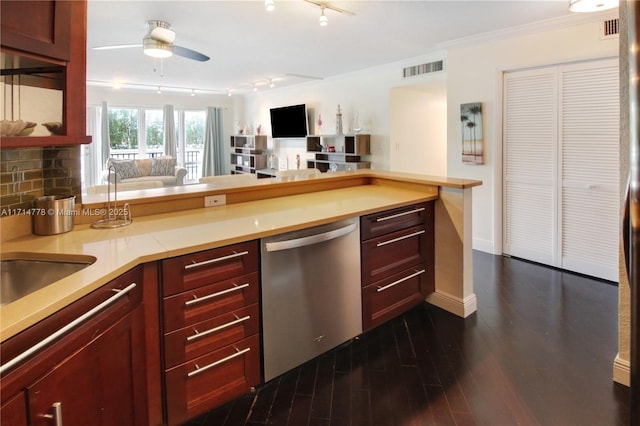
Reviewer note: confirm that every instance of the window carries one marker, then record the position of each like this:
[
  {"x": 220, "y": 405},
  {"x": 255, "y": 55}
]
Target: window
[
  {"x": 139, "y": 133},
  {"x": 193, "y": 143},
  {"x": 154, "y": 132},
  {"x": 123, "y": 132}
]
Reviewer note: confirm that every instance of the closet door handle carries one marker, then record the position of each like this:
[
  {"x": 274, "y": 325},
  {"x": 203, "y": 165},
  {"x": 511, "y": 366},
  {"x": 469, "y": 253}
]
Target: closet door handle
[
  {"x": 393, "y": 216},
  {"x": 199, "y": 370},
  {"x": 218, "y": 328},
  {"x": 217, "y": 259},
  {"x": 401, "y": 280},
  {"x": 211, "y": 296},
  {"x": 404, "y": 237}
]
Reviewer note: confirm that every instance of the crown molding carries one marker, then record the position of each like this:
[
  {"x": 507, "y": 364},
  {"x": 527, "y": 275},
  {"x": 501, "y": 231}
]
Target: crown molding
[{"x": 566, "y": 21}]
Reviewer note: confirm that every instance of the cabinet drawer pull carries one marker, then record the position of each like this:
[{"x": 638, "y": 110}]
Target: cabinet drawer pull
[
  {"x": 199, "y": 370},
  {"x": 57, "y": 413},
  {"x": 401, "y": 280},
  {"x": 217, "y": 259},
  {"x": 211, "y": 296},
  {"x": 404, "y": 237},
  {"x": 218, "y": 328},
  {"x": 393, "y": 216},
  {"x": 59, "y": 333}
]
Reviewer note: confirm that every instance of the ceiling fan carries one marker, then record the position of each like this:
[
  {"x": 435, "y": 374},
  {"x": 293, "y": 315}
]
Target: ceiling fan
[{"x": 158, "y": 43}]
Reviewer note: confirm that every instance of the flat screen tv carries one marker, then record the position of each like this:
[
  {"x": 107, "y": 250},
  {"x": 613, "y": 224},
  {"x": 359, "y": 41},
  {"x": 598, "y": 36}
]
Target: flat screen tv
[{"x": 289, "y": 121}]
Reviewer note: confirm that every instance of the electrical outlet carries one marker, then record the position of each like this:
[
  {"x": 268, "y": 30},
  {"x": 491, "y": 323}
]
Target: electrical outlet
[{"x": 215, "y": 200}]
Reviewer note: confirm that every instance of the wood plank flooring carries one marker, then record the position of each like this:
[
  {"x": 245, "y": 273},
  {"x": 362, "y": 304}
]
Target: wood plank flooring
[{"x": 539, "y": 351}]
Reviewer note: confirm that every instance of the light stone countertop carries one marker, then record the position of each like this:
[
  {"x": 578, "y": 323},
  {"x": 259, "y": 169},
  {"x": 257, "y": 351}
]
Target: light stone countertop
[{"x": 160, "y": 236}]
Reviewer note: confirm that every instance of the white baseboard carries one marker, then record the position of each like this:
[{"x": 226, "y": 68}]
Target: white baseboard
[
  {"x": 622, "y": 371},
  {"x": 486, "y": 246},
  {"x": 460, "y": 307}
]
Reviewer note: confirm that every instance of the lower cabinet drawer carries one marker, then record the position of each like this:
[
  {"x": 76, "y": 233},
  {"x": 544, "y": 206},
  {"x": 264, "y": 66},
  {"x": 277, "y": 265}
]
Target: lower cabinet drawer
[
  {"x": 393, "y": 253},
  {"x": 206, "y": 336},
  {"x": 388, "y": 298},
  {"x": 194, "y": 306},
  {"x": 206, "y": 382}
]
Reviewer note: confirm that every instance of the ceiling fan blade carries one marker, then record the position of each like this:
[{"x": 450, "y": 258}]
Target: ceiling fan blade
[
  {"x": 117, "y": 46},
  {"x": 189, "y": 54}
]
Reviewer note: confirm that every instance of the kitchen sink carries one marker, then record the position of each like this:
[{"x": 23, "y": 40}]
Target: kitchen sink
[{"x": 23, "y": 273}]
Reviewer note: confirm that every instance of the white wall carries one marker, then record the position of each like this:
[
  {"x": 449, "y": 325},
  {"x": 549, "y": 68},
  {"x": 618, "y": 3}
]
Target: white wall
[
  {"x": 364, "y": 93},
  {"x": 474, "y": 74},
  {"x": 418, "y": 131}
]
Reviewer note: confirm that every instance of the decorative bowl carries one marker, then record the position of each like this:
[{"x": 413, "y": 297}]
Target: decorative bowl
[
  {"x": 16, "y": 128},
  {"x": 54, "y": 127}
]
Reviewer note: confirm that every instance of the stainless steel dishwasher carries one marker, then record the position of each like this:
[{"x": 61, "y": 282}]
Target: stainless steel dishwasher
[{"x": 311, "y": 293}]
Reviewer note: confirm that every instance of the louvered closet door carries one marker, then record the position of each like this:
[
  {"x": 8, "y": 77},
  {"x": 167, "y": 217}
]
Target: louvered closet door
[
  {"x": 589, "y": 139},
  {"x": 530, "y": 159},
  {"x": 561, "y": 166}
]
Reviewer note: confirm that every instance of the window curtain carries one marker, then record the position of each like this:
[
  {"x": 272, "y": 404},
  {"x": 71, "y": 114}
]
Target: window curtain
[
  {"x": 105, "y": 149},
  {"x": 170, "y": 143},
  {"x": 212, "y": 159},
  {"x": 91, "y": 156}
]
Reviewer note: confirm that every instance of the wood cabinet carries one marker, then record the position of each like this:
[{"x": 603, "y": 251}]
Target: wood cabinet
[
  {"x": 43, "y": 45},
  {"x": 248, "y": 153},
  {"x": 397, "y": 261},
  {"x": 211, "y": 328},
  {"x": 346, "y": 154},
  {"x": 94, "y": 373}
]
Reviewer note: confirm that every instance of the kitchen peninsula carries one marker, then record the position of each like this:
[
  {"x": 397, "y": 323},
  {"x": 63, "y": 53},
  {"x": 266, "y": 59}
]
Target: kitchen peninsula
[{"x": 173, "y": 223}]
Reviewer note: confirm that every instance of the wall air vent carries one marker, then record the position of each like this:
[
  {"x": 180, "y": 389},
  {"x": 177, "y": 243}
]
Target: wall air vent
[
  {"x": 610, "y": 29},
  {"x": 422, "y": 69}
]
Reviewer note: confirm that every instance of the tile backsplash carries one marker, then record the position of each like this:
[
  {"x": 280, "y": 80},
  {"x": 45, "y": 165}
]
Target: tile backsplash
[{"x": 28, "y": 173}]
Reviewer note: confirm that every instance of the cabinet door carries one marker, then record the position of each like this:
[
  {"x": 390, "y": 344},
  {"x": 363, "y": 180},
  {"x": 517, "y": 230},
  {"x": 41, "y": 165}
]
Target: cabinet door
[
  {"x": 96, "y": 385},
  {"x": 40, "y": 27},
  {"x": 14, "y": 411}
]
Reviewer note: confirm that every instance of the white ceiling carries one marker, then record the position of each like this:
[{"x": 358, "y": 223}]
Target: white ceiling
[{"x": 249, "y": 45}]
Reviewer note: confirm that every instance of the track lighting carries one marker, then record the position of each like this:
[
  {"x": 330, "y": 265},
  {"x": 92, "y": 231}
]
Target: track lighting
[
  {"x": 271, "y": 83},
  {"x": 228, "y": 92},
  {"x": 323, "y": 20},
  {"x": 193, "y": 92},
  {"x": 269, "y": 5},
  {"x": 159, "y": 92},
  {"x": 255, "y": 88}
]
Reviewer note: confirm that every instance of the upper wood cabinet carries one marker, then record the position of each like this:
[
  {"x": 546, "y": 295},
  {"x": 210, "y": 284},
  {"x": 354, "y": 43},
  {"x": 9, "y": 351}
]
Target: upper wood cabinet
[
  {"x": 43, "y": 45},
  {"x": 39, "y": 27}
]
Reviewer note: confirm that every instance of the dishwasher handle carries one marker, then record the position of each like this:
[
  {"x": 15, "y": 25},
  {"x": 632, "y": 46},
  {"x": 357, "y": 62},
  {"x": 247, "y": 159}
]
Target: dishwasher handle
[{"x": 311, "y": 239}]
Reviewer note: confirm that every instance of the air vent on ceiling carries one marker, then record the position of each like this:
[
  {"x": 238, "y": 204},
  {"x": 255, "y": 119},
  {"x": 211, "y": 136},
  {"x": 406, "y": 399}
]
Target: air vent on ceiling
[
  {"x": 422, "y": 69},
  {"x": 610, "y": 29}
]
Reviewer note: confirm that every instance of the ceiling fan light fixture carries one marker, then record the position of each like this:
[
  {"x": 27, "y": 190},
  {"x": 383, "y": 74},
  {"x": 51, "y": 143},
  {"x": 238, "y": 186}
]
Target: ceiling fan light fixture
[
  {"x": 156, "y": 48},
  {"x": 269, "y": 5},
  {"x": 591, "y": 5},
  {"x": 323, "y": 20}
]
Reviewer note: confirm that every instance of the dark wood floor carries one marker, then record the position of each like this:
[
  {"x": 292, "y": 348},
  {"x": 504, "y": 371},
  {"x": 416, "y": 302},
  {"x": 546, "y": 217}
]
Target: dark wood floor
[{"x": 539, "y": 351}]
